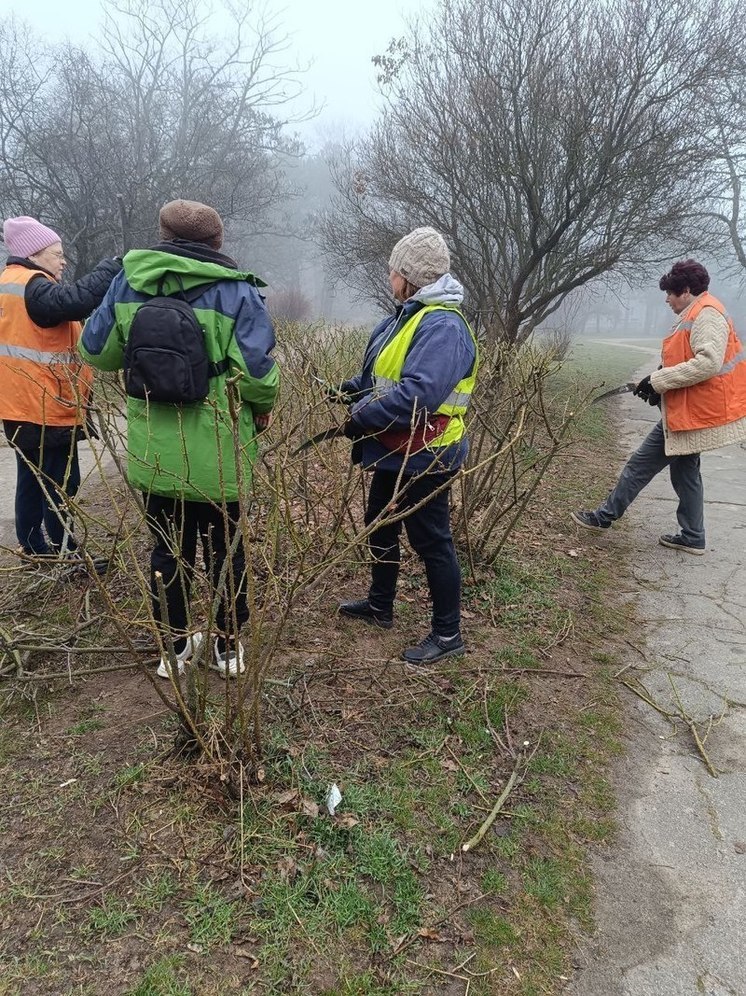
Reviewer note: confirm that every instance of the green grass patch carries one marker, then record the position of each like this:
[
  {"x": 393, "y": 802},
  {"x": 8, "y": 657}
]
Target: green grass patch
[
  {"x": 84, "y": 726},
  {"x": 162, "y": 979},
  {"x": 130, "y": 776},
  {"x": 211, "y": 918},
  {"x": 491, "y": 930},
  {"x": 111, "y": 918}
]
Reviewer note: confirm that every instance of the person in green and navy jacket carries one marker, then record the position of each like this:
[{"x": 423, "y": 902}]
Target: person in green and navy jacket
[
  {"x": 407, "y": 420},
  {"x": 182, "y": 457}
]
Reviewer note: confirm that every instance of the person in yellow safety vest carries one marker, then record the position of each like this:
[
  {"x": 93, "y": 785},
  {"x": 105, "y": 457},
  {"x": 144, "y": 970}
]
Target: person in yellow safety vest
[
  {"x": 407, "y": 421},
  {"x": 701, "y": 388},
  {"x": 43, "y": 384}
]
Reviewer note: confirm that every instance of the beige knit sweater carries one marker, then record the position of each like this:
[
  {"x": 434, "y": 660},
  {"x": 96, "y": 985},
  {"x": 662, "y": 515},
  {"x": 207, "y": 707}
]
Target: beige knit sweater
[{"x": 708, "y": 339}]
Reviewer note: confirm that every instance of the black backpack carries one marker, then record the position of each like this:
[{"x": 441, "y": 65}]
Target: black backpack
[{"x": 165, "y": 359}]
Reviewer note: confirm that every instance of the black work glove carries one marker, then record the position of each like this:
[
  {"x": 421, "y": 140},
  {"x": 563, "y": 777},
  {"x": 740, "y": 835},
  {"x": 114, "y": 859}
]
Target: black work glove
[
  {"x": 647, "y": 392},
  {"x": 353, "y": 430}
]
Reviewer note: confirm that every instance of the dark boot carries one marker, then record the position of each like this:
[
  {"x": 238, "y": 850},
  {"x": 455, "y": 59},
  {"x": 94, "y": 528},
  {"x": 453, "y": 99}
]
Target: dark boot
[
  {"x": 433, "y": 649},
  {"x": 362, "y": 609}
]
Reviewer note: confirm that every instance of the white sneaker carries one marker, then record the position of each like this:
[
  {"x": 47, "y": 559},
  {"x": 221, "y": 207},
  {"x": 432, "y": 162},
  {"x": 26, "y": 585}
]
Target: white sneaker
[
  {"x": 228, "y": 665},
  {"x": 164, "y": 668}
]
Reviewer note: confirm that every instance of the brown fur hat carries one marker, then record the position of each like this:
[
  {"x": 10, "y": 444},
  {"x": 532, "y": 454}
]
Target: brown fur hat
[{"x": 192, "y": 221}]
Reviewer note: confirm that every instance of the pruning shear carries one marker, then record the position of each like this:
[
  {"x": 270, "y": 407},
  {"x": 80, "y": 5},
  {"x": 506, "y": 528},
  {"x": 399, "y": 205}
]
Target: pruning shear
[
  {"x": 333, "y": 393},
  {"x": 624, "y": 389}
]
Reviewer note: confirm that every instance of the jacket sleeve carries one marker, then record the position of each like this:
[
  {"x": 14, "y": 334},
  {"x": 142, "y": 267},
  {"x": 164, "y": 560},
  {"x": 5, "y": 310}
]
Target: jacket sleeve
[
  {"x": 351, "y": 386},
  {"x": 708, "y": 339},
  {"x": 250, "y": 350},
  {"x": 442, "y": 353},
  {"x": 102, "y": 341},
  {"x": 48, "y": 303}
]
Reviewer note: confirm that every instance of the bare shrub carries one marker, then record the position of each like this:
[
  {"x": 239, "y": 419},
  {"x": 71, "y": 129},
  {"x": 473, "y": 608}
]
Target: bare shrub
[
  {"x": 302, "y": 525},
  {"x": 290, "y": 305}
]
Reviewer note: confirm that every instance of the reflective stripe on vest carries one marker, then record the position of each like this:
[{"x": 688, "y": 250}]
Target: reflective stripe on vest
[
  {"x": 37, "y": 355},
  {"x": 389, "y": 364},
  {"x": 17, "y": 290},
  {"x": 720, "y": 399},
  {"x": 731, "y": 364},
  {"x": 42, "y": 378},
  {"x": 456, "y": 399}
]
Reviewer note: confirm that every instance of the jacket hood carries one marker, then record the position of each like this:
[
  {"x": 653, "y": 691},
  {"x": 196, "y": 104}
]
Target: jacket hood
[
  {"x": 177, "y": 264},
  {"x": 445, "y": 290}
]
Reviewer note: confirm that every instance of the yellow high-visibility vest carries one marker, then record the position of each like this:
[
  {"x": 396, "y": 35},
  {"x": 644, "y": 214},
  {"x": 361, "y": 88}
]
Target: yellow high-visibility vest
[{"x": 387, "y": 371}]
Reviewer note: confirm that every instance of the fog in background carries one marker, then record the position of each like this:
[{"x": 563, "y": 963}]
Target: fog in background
[{"x": 329, "y": 44}]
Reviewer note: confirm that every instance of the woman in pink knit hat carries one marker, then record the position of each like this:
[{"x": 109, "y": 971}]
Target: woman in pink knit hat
[{"x": 43, "y": 385}]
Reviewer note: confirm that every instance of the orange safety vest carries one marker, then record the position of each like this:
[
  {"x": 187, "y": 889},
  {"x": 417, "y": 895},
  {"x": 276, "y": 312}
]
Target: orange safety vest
[
  {"x": 720, "y": 399},
  {"x": 42, "y": 378}
]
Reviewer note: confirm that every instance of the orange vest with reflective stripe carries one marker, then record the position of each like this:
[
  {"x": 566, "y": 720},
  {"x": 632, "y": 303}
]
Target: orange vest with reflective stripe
[
  {"x": 720, "y": 399},
  {"x": 42, "y": 378}
]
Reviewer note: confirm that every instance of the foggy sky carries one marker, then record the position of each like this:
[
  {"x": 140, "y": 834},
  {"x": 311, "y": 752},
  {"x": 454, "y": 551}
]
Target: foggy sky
[{"x": 338, "y": 36}]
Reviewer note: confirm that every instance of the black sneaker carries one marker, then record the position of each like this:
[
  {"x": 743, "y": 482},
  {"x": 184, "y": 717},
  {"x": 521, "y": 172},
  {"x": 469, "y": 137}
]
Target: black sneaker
[
  {"x": 362, "y": 609},
  {"x": 589, "y": 520},
  {"x": 677, "y": 542},
  {"x": 434, "y": 648}
]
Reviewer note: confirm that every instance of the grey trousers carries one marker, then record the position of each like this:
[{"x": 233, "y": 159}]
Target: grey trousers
[{"x": 644, "y": 464}]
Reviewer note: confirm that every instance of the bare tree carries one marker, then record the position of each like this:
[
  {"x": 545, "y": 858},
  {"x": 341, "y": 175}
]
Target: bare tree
[
  {"x": 551, "y": 141},
  {"x": 96, "y": 141},
  {"x": 719, "y": 211}
]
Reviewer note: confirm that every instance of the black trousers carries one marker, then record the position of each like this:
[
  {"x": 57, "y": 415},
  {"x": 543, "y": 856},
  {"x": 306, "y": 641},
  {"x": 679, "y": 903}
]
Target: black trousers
[
  {"x": 46, "y": 478},
  {"x": 175, "y": 525},
  {"x": 429, "y": 532}
]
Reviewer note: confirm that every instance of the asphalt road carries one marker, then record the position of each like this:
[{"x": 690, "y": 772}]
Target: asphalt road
[{"x": 671, "y": 889}]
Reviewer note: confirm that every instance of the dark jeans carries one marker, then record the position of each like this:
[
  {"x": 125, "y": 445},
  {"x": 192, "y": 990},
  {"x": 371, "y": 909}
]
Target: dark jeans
[
  {"x": 429, "y": 532},
  {"x": 46, "y": 478},
  {"x": 644, "y": 464},
  {"x": 175, "y": 525}
]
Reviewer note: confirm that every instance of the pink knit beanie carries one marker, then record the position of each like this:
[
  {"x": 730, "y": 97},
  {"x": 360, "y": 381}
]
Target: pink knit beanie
[{"x": 26, "y": 236}]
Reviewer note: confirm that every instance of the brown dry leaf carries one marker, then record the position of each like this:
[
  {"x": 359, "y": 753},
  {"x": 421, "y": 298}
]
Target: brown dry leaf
[
  {"x": 448, "y": 764},
  {"x": 468, "y": 615},
  {"x": 248, "y": 955},
  {"x": 398, "y": 943},
  {"x": 429, "y": 934},
  {"x": 285, "y": 797},
  {"x": 309, "y": 808},
  {"x": 287, "y": 868},
  {"x": 347, "y": 822}
]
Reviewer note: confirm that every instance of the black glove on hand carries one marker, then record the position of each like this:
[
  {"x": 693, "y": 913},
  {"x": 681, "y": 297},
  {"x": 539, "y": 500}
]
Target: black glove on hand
[
  {"x": 643, "y": 389},
  {"x": 647, "y": 392},
  {"x": 337, "y": 394},
  {"x": 353, "y": 430}
]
